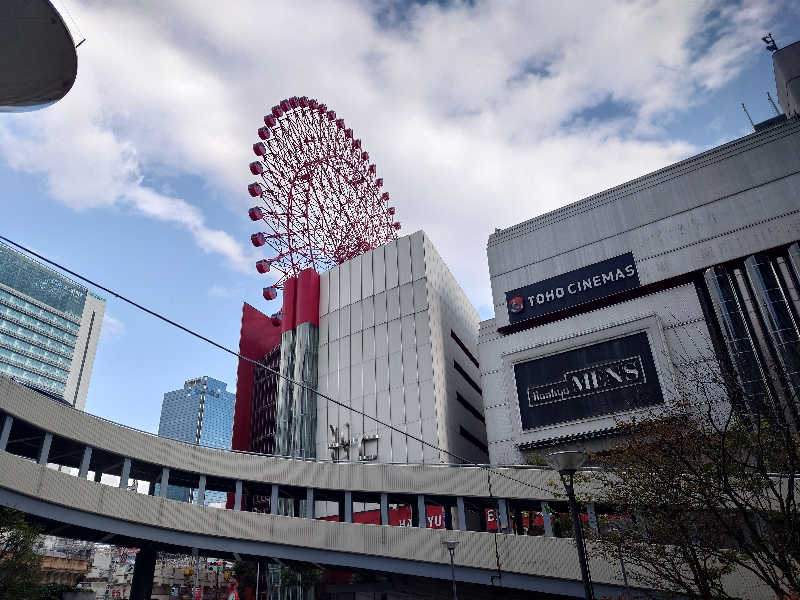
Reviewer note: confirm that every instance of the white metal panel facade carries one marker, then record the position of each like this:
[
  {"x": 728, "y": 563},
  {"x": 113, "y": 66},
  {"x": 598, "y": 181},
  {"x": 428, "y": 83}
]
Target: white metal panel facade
[
  {"x": 381, "y": 351},
  {"x": 85, "y": 350}
]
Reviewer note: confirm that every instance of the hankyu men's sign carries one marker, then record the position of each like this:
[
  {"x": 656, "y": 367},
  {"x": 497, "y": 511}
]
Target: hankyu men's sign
[
  {"x": 582, "y": 285},
  {"x": 601, "y": 379}
]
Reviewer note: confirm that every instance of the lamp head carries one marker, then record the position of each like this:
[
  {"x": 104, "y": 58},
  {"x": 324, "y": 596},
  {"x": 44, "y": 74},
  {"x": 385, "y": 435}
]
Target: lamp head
[
  {"x": 567, "y": 460},
  {"x": 450, "y": 544}
]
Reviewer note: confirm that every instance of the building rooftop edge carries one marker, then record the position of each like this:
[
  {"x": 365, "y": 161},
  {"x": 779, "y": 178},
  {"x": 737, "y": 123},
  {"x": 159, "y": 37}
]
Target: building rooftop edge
[
  {"x": 52, "y": 270},
  {"x": 634, "y": 185}
]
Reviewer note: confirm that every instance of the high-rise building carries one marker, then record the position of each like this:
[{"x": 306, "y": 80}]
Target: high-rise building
[
  {"x": 49, "y": 327},
  {"x": 389, "y": 334},
  {"x": 201, "y": 412}
]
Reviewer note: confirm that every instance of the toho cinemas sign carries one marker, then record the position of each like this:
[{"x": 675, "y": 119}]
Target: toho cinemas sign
[{"x": 607, "y": 277}]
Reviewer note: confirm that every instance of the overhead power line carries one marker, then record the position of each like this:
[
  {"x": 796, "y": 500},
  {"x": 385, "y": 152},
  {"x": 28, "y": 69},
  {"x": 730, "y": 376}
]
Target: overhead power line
[{"x": 269, "y": 369}]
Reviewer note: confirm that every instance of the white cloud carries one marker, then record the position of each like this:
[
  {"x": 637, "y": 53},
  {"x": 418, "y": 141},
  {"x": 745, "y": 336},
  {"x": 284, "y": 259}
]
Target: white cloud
[
  {"x": 221, "y": 291},
  {"x": 472, "y": 112},
  {"x": 112, "y": 327}
]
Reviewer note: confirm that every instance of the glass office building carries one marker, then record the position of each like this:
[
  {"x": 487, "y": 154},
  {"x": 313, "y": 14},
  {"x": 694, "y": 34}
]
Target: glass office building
[
  {"x": 199, "y": 413},
  {"x": 49, "y": 328}
]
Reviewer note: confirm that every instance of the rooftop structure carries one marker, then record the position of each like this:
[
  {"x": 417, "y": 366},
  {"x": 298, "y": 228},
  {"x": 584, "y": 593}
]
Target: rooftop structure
[{"x": 39, "y": 62}]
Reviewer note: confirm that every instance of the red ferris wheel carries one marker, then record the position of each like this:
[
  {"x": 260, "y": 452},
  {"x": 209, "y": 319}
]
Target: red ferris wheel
[{"x": 322, "y": 201}]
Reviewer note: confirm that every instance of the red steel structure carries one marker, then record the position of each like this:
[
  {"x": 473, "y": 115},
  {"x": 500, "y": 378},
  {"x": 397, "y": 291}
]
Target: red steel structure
[
  {"x": 322, "y": 201},
  {"x": 258, "y": 340}
]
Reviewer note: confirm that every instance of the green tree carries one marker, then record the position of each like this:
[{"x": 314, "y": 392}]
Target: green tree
[
  {"x": 302, "y": 575},
  {"x": 19, "y": 561},
  {"x": 54, "y": 591},
  {"x": 245, "y": 573}
]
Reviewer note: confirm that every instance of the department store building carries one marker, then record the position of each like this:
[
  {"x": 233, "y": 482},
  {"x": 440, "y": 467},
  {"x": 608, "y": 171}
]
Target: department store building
[{"x": 605, "y": 307}]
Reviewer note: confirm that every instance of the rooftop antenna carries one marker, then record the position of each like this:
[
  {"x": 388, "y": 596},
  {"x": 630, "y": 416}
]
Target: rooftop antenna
[
  {"x": 775, "y": 108},
  {"x": 744, "y": 108},
  {"x": 770, "y": 42}
]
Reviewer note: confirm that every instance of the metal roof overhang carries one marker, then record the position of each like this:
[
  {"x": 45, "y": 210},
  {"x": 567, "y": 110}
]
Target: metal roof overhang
[{"x": 39, "y": 63}]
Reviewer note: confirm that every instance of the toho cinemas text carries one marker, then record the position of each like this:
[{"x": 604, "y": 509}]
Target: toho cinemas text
[
  {"x": 586, "y": 284},
  {"x": 582, "y": 285}
]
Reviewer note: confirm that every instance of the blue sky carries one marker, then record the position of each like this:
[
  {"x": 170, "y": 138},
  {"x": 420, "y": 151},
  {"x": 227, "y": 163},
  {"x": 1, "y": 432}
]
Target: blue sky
[{"x": 478, "y": 115}]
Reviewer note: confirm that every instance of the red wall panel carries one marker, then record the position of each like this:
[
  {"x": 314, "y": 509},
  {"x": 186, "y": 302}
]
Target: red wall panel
[{"x": 257, "y": 337}]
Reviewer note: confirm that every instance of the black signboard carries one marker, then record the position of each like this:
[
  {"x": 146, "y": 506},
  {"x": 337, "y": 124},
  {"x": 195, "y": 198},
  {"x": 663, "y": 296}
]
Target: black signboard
[
  {"x": 597, "y": 280},
  {"x": 602, "y": 379}
]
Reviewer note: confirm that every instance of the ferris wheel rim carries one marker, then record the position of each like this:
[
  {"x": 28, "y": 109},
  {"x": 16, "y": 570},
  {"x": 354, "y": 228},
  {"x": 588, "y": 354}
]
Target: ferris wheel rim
[{"x": 324, "y": 202}]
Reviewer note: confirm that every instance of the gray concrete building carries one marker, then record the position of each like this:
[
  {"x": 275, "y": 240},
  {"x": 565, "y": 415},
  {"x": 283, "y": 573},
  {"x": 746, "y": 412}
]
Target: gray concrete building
[{"x": 603, "y": 306}]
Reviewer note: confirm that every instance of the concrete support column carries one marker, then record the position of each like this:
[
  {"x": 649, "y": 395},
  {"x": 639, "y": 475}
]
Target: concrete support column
[
  {"x": 83, "y": 472},
  {"x": 348, "y": 507},
  {"x": 151, "y": 488},
  {"x": 44, "y": 453},
  {"x": 143, "y": 571},
  {"x": 97, "y": 475},
  {"x": 502, "y": 515},
  {"x": 422, "y": 515},
  {"x": 592, "y": 514},
  {"x": 201, "y": 490},
  {"x": 164, "y": 482},
  {"x": 237, "y": 497},
  {"x": 548, "y": 521},
  {"x": 384, "y": 508},
  {"x": 273, "y": 500},
  {"x": 309, "y": 503},
  {"x": 5, "y": 432},
  {"x": 520, "y": 529},
  {"x": 126, "y": 473},
  {"x": 462, "y": 514}
]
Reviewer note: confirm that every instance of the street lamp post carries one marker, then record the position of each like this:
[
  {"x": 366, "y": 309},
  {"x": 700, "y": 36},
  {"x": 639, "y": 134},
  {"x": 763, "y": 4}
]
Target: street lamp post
[
  {"x": 451, "y": 547},
  {"x": 566, "y": 463}
]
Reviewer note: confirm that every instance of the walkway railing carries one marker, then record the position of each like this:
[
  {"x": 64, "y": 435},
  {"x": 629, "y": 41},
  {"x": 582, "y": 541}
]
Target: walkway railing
[{"x": 310, "y": 506}]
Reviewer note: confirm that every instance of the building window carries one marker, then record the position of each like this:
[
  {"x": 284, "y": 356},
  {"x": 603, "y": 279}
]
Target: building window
[
  {"x": 466, "y": 376},
  {"x": 471, "y": 409},
  {"x": 769, "y": 283},
  {"x": 461, "y": 345},
  {"x": 265, "y": 396},
  {"x": 473, "y": 440},
  {"x": 737, "y": 335},
  {"x": 41, "y": 283}
]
